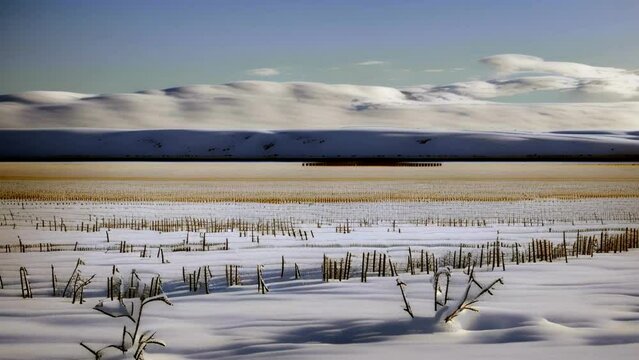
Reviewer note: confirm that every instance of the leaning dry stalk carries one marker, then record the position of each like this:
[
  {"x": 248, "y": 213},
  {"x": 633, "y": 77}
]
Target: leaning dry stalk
[{"x": 407, "y": 307}]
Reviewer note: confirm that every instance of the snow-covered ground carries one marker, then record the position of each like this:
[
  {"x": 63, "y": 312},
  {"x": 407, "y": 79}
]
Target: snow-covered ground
[{"x": 587, "y": 308}]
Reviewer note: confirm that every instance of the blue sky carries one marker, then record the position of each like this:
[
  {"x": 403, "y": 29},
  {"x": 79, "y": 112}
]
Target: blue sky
[{"x": 120, "y": 46}]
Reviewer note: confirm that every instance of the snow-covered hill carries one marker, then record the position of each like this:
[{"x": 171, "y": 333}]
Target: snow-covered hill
[
  {"x": 270, "y": 120},
  {"x": 314, "y": 144}
]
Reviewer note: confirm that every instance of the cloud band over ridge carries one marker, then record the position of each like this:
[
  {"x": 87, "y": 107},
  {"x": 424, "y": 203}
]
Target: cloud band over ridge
[{"x": 270, "y": 105}]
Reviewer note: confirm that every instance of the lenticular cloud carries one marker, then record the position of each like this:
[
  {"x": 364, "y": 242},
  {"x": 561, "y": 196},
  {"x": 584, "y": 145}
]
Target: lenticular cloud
[{"x": 606, "y": 81}]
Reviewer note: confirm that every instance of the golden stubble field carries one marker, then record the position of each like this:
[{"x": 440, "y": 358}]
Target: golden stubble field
[{"x": 292, "y": 182}]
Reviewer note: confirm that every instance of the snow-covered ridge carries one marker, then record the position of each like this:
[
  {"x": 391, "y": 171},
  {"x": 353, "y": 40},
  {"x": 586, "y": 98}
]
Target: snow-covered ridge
[
  {"x": 270, "y": 105},
  {"x": 97, "y": 144}
]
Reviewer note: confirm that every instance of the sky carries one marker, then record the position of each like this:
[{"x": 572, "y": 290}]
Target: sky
[{"x": 123, "y": 46}]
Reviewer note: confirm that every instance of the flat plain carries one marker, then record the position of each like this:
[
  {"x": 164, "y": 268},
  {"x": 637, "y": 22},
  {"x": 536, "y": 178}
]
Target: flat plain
[{"x": 287, "y": 261}]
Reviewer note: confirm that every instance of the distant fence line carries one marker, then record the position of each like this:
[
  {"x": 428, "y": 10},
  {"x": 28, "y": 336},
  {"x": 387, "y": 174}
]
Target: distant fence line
[{"x": 372, "y": 163}]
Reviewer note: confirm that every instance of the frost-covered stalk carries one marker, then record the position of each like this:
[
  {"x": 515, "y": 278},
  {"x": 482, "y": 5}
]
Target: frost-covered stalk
[
  {"x": 297, "y": 272},
  {"x": 78, "y": 288},
  {"x": 282, "y": 272},
  {"x": 130, "y": 340},
  {"x": 73, "y": 275},
  {"x": 566, "y": 251},
  {"x": 440, "y": 272},
  {"x": 25, "y": 285},
  {"x": 467, "y": 302},
  {"x": 53, "y": 278},
  {"x": 261, "y": 285},
  {"x": 206, "y": 281}
]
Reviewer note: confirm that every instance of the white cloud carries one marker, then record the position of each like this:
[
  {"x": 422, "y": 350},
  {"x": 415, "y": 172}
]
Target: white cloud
[
  {"x": 263, "y": 72},
  {"x": 613, "y": 83},
  {"x": 272, "y": 105},
  {"x": 479, "y": 89},
  {"x": 512, "y": 63},
  {"x": 371, "y": 62},
  {"x": 520, "y": 74}
]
